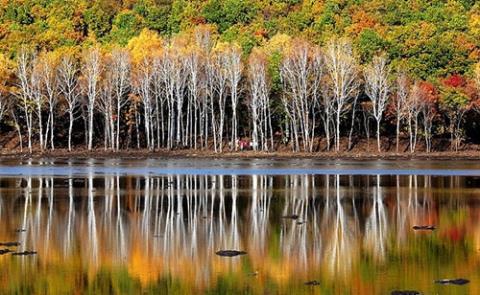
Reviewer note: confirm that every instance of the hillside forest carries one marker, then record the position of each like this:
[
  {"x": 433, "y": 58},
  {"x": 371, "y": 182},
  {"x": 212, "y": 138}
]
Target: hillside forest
[{"x": 298, "y": 75}]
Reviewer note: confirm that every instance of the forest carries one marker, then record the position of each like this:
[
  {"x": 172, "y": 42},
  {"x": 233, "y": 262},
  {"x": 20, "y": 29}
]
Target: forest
[{"x": 303, "y": 76}]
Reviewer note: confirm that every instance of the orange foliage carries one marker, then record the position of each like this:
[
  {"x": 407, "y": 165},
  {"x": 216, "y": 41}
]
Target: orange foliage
[{"x": 360, "y": 21}]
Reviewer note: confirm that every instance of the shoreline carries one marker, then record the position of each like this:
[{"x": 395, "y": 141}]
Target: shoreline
[{"x": 198, "y": 154}]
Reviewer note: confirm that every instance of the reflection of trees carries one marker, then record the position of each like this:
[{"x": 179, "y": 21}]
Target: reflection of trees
[
  {"x": 259, "y": 213},
  {"x": 293, "y": 238},
  {"x": 70, "y": 220},
  {"x": 171, "y": 226},
  {"x": 376, "y": 225},
  {"x": 415, "y": 204},
  {"x": 92, "y": 225},
  {"x": 340, "y": 240}
]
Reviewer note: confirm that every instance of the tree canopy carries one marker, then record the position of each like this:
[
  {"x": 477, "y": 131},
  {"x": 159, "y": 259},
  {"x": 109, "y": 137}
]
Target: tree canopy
[{"x": 430, "y": 39}]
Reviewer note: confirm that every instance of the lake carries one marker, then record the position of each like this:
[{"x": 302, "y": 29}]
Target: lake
[{"x": 307, "y": 226}]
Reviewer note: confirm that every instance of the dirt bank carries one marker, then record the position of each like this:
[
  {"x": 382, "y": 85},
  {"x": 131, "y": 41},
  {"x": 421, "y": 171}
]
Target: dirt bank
[
  {"x": 361, "y": 151},
  {"x": 142, "y": 154}
]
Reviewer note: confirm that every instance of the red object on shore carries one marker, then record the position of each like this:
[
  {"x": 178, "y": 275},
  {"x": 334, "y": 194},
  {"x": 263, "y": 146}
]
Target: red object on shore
[{"x": 244, "y": 144}]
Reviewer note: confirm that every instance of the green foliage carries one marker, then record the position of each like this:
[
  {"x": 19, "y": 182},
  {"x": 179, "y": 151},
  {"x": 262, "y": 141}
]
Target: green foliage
[
  {"x": 369, "y": 43},
  {"x": 176, "y": 16},
  {"x": 126, "y": 25},
  {"x": 155, "y": 16},
  {"x": 431, "y": 39},
  {"x": 244, "y": 38},
  {"x": 453, "y": 98},
  {"x": 229, "y": 12},
  {"x": 99, "y": 19},
  {"x": 274, "y": 63},
  {"x": 19, "y": 13}
]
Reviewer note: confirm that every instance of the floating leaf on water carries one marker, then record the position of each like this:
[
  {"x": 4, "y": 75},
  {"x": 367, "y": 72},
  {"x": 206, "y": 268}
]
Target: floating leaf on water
[{"x": 312, "y": 283}]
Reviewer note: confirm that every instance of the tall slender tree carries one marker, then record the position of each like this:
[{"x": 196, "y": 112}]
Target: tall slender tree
[
  {"x": 92, "y": 68},
  {"x": 400, "y": 103},
  {"x": 67, "y": 74},
  {"x": 24, "y": 94},
  {"x": 377, "y": 88},
  {"x": 342, "y": 73}
]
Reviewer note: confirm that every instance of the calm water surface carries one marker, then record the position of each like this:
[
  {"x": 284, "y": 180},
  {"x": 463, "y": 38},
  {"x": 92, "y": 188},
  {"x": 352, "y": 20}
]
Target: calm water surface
[{"x": 153, "y": 226}]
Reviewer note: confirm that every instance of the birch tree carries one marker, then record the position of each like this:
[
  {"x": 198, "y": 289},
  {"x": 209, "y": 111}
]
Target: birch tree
[
  {"x": 342, "y": 73},
  {"x": 211, "y": 111},
  {"x": 48, "y": 74},
  {"x": 233, "y": 64},
  {"x": 120, "y": 68},
  {"x": 160, "y": 98},
  {"x": 91, "y": 70},
  {"x": 377, "y": 88},
  {"x": 24, "y": 93},
  {"x": 400, "y": 103},
  {"x": 69, "y": 89},
  {"x": 106, "y": 106},
  {"x": 297, "y": 71},
  {"x": 413, "y": 111},
  {"x": 428, "y": 107},
  {"x": 38, "y": 98},
  {"x": 179, "y": 79},
  {"x": 195, "y": 83},
  {"x": 260, "y": 101},
  {"x": 220, "y": 72},
  {"x": 144, "y": 77},
  {"x": 428, "y": 111}
]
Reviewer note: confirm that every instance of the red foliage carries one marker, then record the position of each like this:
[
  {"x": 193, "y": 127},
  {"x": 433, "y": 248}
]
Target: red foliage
[
  {"x": 429, "y": 92},
  {"x": 454, "y": 81},
  {"x": 471, "y": 91}
]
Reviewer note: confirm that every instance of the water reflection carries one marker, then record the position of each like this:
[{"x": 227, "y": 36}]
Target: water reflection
[{"x": 148, "y": 233}]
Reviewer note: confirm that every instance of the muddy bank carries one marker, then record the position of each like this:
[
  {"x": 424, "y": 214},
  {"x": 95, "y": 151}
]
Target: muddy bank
[{"x": 362, "y": 150}]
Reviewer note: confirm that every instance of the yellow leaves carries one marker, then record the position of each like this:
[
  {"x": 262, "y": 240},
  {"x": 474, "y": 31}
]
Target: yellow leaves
[
  {"x": 6, "y": 71},
  {"x": 258, "y": 56},
  {"x": 179, "y": 43},
  {"x": 69, "y": 51},
  {"x": 474, "y": 24},
  {"x": 225, "y": 47},
  {"x": 147, "y": 43},
  {"x": 476, "y": 71},
  {"x": 278, "y": 43}
]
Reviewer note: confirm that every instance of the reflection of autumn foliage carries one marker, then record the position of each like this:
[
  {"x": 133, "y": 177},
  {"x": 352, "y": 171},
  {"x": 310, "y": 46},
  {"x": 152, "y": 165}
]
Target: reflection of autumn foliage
[
  {"x": 156, "y": 246},
  {"x": 454, "y": 233}
]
